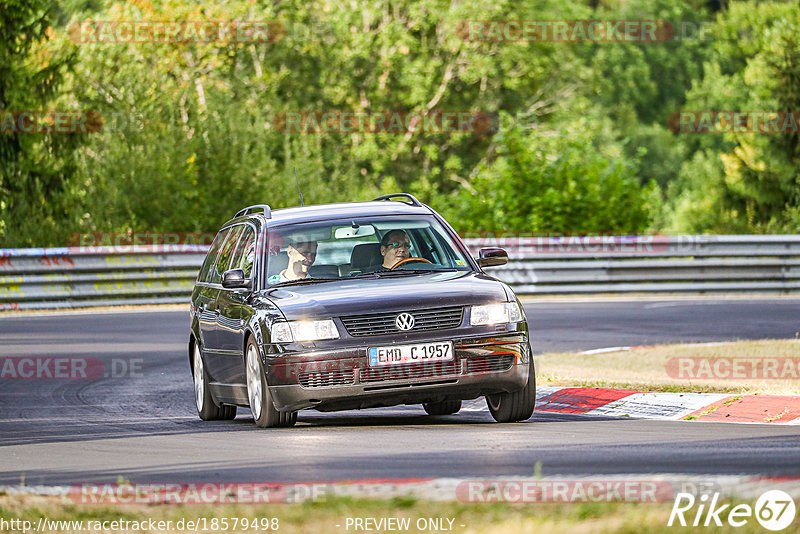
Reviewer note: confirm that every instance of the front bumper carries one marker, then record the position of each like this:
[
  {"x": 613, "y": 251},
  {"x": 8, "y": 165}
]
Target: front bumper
[{"x": 342, "y": 379}]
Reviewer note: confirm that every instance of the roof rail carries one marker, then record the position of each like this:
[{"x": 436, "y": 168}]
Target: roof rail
[
  {"x": 413, "y": 200},
  {"x": 249, "y": 209}
]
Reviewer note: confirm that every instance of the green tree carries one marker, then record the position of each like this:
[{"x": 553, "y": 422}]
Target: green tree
[
  {"x": 555, "y": 182},
  {"x": 752, "y": 180},
  {"x": 37, "y": 170},
  {"x": 190, "y": 129},
  {"x": 206, "y": 142}
]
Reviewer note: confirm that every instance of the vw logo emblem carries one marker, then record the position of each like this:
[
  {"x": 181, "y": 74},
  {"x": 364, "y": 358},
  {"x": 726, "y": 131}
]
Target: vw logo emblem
[{"x": 404, "y": 321}]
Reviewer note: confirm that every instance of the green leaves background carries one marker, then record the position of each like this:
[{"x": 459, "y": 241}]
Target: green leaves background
[{"x": 580, "y": 143}]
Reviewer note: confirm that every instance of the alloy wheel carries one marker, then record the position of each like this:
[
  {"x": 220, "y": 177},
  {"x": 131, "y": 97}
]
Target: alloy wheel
[
  {"x": 254, "y": 381},
  {"x": 199, "y": 389}
]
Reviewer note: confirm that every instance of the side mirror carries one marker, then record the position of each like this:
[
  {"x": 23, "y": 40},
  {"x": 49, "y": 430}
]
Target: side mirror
[
  {"x": 234, "y": 279},
  {"x": 490, "y": 257}
]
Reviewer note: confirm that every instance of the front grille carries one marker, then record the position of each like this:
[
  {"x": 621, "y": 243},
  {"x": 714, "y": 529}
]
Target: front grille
[
  {"x": 409, "y": 372},
  {"x": 414, "y": 371},
  {"x": 321, "y": 379},
  {"x": 490, "y": 363},
  {"x": 375, "y": 324}
]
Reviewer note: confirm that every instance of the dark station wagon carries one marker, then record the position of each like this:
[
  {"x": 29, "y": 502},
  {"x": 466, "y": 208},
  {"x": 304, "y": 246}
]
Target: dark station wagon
[{"x": 354, "y": 305}]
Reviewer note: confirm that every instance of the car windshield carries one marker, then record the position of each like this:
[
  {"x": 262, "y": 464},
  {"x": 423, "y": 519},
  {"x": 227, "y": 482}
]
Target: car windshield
[{"x": 360, "y": 247}]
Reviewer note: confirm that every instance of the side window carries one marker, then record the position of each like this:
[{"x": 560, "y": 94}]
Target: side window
[
  {"x": 444, "y": 252},
  {"x": 424, "y": 247},
  {"x": 211, "y": 257},
  {"x": 245, "y": 253},
  {"x": 225, "y": 254}
]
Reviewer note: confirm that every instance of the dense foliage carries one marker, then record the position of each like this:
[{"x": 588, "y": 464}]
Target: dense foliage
[
  {"x": 38, "y": 187},
  {"x": 579, "y": 140}
]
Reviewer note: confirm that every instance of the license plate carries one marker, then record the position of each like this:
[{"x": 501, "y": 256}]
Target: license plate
[{"x": 421, "y": 352}]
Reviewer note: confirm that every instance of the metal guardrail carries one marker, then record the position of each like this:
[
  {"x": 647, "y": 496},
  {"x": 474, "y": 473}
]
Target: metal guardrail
[
  {"x": 72, "y": 277},
  {"x": 160, "y": 274},
  {"x": 647, "y": 264}
]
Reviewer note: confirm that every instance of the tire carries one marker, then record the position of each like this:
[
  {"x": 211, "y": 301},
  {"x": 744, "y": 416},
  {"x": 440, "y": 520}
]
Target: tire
[
  {"x": 207, "y": 409},
  {"x": 264, "y": 413},
  {"x": 443, "y": 407},
  {"x": 516, "y": 406}
]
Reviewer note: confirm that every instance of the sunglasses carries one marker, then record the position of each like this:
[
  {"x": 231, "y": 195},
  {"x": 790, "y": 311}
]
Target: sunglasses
[{"x": 397, "y": 244}]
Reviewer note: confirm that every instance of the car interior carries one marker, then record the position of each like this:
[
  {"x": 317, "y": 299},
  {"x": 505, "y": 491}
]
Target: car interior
[{"x": 348, "y": 251}]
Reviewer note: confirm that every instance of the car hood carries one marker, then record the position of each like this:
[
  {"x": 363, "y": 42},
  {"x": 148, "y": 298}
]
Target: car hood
[{"x": 371, "y": 295}]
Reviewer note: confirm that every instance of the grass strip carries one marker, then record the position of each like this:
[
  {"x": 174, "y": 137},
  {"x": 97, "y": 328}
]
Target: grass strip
[{"x": 654, "y": 368}]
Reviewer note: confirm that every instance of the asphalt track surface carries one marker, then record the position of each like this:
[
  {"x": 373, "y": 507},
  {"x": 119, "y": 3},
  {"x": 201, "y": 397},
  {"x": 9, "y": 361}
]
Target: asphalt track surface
[{"x": 143, "y": 426}]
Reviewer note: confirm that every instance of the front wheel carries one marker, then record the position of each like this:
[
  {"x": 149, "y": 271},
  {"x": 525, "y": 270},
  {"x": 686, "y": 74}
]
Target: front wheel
[
  {"x": 264, "y": 413},
  {"x": 516, "y": 406},
  {"x": 206, "y": 408}
]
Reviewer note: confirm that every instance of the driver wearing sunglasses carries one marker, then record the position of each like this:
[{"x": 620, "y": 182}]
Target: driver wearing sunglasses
[{"x": 395, "y": 246}]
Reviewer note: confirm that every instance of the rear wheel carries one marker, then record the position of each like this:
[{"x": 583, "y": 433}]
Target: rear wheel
[
  {"x": 206, "y": 407},
  {"x": 442, "y": 408},
  {"x": 264, "y": 413},
  {"x": 515, "y": 406}
]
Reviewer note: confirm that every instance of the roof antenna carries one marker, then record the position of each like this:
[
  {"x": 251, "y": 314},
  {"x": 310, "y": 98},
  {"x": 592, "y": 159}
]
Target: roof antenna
[{"x": 298, "y": 186}]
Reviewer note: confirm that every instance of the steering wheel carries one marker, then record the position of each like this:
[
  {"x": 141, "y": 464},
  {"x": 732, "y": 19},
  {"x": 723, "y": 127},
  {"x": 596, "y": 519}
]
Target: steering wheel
[{"x": 409, "y": 260}]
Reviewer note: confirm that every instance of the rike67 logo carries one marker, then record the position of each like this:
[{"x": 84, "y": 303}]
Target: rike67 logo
[{"x": 774, "y": 510}]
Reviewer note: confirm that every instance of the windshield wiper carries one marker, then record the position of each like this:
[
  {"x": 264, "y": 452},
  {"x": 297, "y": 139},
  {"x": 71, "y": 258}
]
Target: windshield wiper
[
  {"x": 400, "y": 272},
  {"x": 301, "y": 281},
  {"x": 373, "y": 274}
]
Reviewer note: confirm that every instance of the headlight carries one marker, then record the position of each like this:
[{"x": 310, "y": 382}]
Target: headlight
[
  {"x": 281, "y": 333},
  {"x": 284, "y": 332},
  {"x": 502, "y": 312}
]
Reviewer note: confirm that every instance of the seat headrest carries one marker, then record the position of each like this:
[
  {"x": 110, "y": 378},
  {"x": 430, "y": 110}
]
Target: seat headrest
[
  {"x": 365, "y": 255},
  {"x": 277, "y": 263}
]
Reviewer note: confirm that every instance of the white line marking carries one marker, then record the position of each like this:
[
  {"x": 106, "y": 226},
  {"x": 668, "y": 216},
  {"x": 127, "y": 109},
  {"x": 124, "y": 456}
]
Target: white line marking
[{"x": 605, "y": 349}]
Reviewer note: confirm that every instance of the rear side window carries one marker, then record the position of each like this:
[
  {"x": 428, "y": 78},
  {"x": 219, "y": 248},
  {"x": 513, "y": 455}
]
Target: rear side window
[{"x": 211, "y": 257}]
